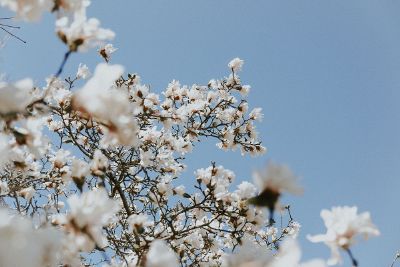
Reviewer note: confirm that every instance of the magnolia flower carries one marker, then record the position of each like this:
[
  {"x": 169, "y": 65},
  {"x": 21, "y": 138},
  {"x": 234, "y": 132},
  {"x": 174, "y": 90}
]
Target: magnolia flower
[
  {"x": 81, "y": 33},
  {"x": 15, "y": 97},
  {"x": 4, "y": 190},
  {"x": 29, "y": 10},
  {"x": 273, "y": 181},
  {"x": 71, "y": 5},
  {"x": 23, "y": 245},
  {"x": 5, "y": 150},
  {"x": 99, "y": 163},
  {"x": 343, "y": 226},
  {"x": 161, "y": 255},
  {"x": 256, "y": 114},
  {"x": 289, "y": 255},
  {"x": 83, "y": 71},
  {"x": 252, "y": 255},
  {"x": 248, "y": 255},
  {"x": 89, "y": 212},
  {"x": 78, "y": 172},
  {"x": 108, "y": 105},
  {"x": 30, "y": 134},
  {"x": 27, "y": 193},
  {"x": 138, "y": 222},
  {"x": 106, "y": 51},
  {"x": 236, "y": 64}
]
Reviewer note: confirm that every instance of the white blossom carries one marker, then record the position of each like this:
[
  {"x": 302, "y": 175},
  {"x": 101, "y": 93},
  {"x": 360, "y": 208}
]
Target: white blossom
[
  {"x": 236, "y": 64},
  {"x": 83, "y": 71},
  {"x": 88, "y": 214},
  {"x": 110, "y": 106},
  {"x": 343, "y": 226},
  {"x": 277, "y": 178},
  {"x": 23, "y": 245},
  {"x": 15, "y": 97},
  {"x": 161, "y": 255},
  {"x": 106, "y": 51},
  {"x": 82, "y": 33},
  {"x": 29, "y": 10}
]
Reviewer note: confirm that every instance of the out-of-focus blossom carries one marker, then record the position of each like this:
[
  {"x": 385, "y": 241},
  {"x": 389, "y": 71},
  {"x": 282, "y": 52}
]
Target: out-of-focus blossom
[
  {"x": 274, "y": 180},
  {"x": 83, "y": 71},
  {"x": 110, "y": 106},
  {"x": 27, "y": 193},
  {"x": 15, "y": 97},
  {"x": 161, "y": 255},
  {"x": 29, "y": 10},
  {"x": 344, "y": 225},
  {"x": 22, "y": 245},
  {"x": 5, "y": 150}
]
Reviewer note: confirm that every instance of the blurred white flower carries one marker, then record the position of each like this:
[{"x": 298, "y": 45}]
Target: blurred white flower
[
  {"x": 27, "y": 193},
  {"x": 138, "y": 222},
  {"x": 289, "y": 255},
  {"x": 5, "y": 150},
  {"x": 278, "y": 178},
  {"x": 83, "y": 71},
  {"x": 343, "y": 226},
  {"x": 108, "y": 105},
  {"x": 161, "y": 255},
  {"x": 248, "y": 255},
  {"x": 15, "y": 97},
  {"x": 29, "y": 10},
  {"x": 22, "y": 245},
  {"x": 236, "y": 64},
  {"x": 4, "y": 190}
]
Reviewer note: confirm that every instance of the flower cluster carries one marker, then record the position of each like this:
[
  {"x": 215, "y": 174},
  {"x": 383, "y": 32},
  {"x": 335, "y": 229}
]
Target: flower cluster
[{"x": 96, "y": 160}]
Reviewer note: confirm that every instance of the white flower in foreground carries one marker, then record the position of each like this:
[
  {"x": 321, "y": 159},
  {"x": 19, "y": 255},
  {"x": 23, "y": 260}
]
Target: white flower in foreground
[
  {"x": 22, "y": 245},
  {"x": 236, "y": 64},
  {"x": 108, "y": 105},
  {"x": 343, "y": 226},
  {"x": 248, "y": 255},
  {"x": 289, "y": 255},
  {"x": 89, "y": 212},
  {"x": 161, "y": 255},
  {"x": 15, "y": 97},
  {"x": 29, "y": 10},
  {"x": 4, "y": 190},
  {"x": 138, "y": 222},
  {"x": 30, "y": 134},
  {"x": 274, "y": 180},
  {"x": 278, "y": 178},
  {"x": 83, "y": 71},
  {"x": 252, "y": 255},
  {"x": 5, "y": 150}
]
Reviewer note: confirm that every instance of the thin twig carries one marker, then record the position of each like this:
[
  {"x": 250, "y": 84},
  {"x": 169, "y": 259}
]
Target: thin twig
[
  {"x": 60, "y": 69},
  {"x": 13, "y": 35}
]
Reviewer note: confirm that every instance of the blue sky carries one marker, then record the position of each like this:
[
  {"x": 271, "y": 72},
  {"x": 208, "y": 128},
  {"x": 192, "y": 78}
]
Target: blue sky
[{"x": 326, "y": 74}]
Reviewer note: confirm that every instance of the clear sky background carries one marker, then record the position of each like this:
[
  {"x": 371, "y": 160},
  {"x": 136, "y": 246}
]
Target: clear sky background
[{"x": 326, "y": 73}]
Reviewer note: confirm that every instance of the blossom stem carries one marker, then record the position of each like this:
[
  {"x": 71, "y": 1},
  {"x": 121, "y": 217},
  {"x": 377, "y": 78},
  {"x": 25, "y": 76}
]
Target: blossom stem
[
  {"x": 353, "y": 260},
  {"x": 60, "y": 69},
  {"x": 271, "y": 217},
  {"x": 395, "y": 258}
]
